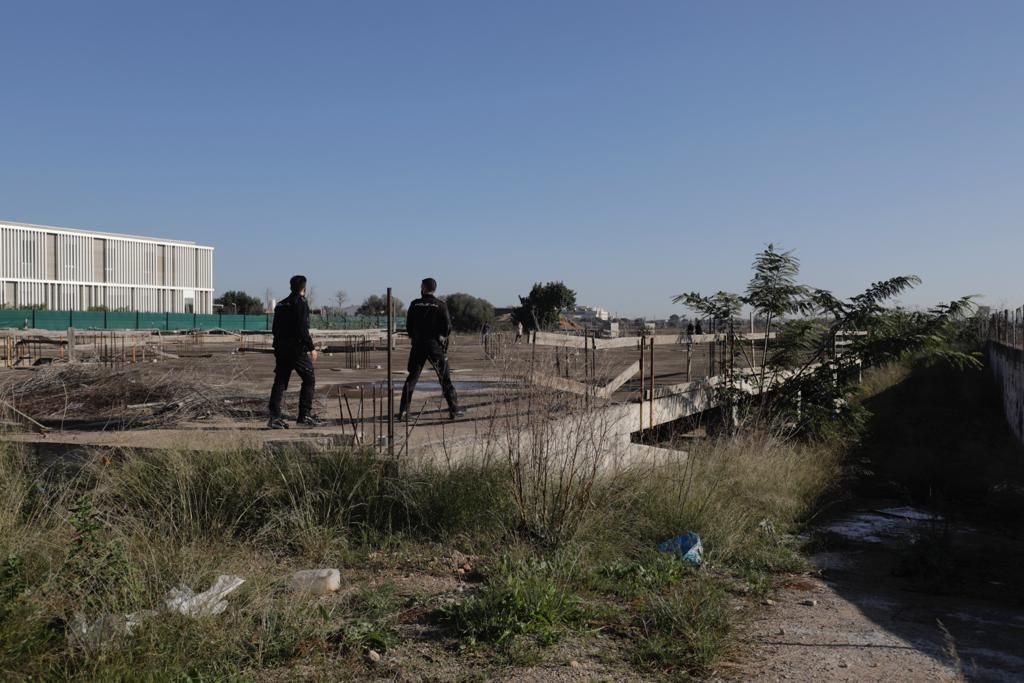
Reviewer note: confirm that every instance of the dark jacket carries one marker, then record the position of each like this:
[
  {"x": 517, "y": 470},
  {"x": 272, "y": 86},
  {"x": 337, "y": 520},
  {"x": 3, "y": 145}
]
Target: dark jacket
[
  {"x": 291, "y": 325},
  {"x": 427, "y": 320}
]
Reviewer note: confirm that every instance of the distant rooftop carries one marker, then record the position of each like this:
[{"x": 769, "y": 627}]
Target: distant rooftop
[{"x": 101, "y": 233}]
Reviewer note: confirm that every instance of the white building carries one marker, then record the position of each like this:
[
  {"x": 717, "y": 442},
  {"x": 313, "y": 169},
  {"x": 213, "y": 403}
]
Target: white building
[
  {"x": 588, "y": 314},
  {"x": 70, "y": 269}
]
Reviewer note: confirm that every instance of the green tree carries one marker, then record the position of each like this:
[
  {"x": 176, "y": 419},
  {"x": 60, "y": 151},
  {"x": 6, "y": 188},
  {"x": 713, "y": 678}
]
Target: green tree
[
  {"x": 468, "y": 312},
  {"x": 804, "y": 378},
  {"x": 378, "y": 305},
  {"x": 239, "y": 302},
  {"x": 540, "y": 309}
]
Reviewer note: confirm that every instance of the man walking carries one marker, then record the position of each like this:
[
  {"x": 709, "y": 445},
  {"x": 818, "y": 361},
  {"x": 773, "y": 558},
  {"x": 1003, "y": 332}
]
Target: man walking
[
  {"x": 293, "y": 350},
  {"x": 429, "y": 326}
]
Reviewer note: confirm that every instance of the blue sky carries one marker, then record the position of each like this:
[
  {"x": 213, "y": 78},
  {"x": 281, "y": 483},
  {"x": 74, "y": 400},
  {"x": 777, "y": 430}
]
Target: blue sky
[{"x": 633, "y": 149}]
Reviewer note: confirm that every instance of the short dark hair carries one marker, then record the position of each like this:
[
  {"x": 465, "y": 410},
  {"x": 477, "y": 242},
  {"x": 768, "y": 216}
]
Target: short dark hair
[
  {"x": 429, "y": 284},
  {"x": 297, "y": 283}
]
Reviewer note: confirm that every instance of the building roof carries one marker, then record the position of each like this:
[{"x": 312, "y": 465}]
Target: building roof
[{"x": 100, "y": 233}]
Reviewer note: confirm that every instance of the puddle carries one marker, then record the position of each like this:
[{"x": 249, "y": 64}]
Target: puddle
[
  {"x": 882, "y": 526},
  {"x": 907, "y": 512}
]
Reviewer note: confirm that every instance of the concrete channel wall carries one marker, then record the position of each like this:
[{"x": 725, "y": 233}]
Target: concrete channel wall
[{"x": 1007, "y": 365}]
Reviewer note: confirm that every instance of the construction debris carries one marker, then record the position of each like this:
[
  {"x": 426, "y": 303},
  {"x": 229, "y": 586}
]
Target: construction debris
[
  {"x": 208, "y": 603},
  {"x": 316, "y": 581},
  {"x": 101, "y": 397}
]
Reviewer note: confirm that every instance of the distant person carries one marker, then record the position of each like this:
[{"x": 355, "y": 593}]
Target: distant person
[
  {"x": 519, "y": 332},
  {"x": 698, "y": 329},
  {"x": 293, "y": 351},
  {"x": 485, "y": 339},
  {"x": 429, "y": 327}
]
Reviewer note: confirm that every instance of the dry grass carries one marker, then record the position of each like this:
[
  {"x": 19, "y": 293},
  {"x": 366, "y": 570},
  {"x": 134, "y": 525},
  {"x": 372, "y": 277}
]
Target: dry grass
[{"x": 565, "y": 543}]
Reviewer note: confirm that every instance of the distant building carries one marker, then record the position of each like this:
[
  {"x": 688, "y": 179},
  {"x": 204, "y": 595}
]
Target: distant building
[
  {"x": 71, "y": 269},
  {"x": 585, "y": 314}
]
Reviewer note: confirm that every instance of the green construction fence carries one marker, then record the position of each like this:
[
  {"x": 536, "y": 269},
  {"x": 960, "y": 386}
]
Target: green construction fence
[{"x": 125, "y": 320}]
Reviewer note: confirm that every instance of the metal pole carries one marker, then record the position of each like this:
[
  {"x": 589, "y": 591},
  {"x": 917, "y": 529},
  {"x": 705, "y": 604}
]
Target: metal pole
[
  {"x": 689, "y": 358},
  {"x": 355, "y": 434},
  {"x": 643, "y": 343},
  {"x": 391, "y": 387},
  {"x": 711, "y": 358},
  {"x": 650, "y": 410},
  {"x": 753, "y": 346},
  {"x": 593, "y": 354},
  {"x": 586, "y": 357},
  {"x": 533, "y": 354}
]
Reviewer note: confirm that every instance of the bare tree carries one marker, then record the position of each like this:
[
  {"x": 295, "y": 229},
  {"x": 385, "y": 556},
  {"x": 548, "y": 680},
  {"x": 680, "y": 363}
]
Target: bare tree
[{"x": 341, "y": 298}]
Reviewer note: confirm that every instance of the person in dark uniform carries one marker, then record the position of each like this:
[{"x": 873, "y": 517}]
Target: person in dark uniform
[
  {"x": 429, "y": 326},
  {"x": 293, "y": 351}
]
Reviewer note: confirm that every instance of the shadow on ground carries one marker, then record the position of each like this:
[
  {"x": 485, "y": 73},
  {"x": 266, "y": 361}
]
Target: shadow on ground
[{"x": 928, "y": 541}]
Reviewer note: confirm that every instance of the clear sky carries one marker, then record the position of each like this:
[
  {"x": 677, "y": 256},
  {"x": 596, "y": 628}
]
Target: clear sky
[{"x": 633, "y": 149}]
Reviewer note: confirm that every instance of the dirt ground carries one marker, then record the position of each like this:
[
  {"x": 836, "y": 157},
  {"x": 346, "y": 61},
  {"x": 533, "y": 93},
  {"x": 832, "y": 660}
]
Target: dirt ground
[
  {"x": 351, "y": 390},
  {"x": 865, "y": 614}
]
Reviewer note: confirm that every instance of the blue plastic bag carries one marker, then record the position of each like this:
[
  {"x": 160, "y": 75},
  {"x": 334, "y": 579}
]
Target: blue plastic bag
[{"x": 686, "y": 547}]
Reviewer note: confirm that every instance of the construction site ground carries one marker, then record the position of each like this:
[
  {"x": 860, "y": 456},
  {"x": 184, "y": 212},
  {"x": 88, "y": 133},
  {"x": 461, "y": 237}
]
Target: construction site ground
[{"x": 486, "y": 384}]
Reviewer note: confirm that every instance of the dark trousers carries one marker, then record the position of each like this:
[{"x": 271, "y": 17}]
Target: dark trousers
[
  {"x": 301, "y": 364},
  {"x": 419, "y": 355}
]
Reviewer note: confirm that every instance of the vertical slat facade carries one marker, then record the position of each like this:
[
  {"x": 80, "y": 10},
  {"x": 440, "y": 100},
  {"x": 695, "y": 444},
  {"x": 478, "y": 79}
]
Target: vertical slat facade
[{"x": 68, "y": 269}]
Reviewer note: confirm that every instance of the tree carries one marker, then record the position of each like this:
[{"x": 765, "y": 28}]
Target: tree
[
  {"x": 378, "y": 305},
  {"x": 341, "y": 298},
  {"x": 541, "y": 308},
  {"x": 239, "y": 302},
  {"x": 804, "y": 379},
  {"x": 468, "y": 312}
]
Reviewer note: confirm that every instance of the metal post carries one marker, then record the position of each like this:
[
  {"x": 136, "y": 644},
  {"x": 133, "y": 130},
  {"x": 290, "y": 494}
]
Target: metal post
[
  {"x": 753, "y": 346},
  {"x": 593, "y": 354},
  {"x": 712, "y": 347},
  {"x": 391, "y": 388},
  {"x": 689, "y": 358},
  {"x": 650, "y": 410},
  {"x": 643, "y": 343},
  {"x": 533, "y": 353},
  {"x": 586, "y": 357}
]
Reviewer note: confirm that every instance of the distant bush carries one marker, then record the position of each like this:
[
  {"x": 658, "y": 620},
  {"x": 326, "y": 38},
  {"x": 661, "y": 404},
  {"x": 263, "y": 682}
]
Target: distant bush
[{"x": 468, "y": 312}]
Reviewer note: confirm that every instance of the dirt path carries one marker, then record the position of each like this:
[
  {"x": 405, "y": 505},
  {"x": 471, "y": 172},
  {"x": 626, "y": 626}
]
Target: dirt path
[{"x": 865, "y": 615}]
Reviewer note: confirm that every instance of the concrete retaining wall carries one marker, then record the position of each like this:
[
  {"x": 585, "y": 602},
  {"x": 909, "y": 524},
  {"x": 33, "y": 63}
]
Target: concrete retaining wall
[{"x": 1008, "y": 367}]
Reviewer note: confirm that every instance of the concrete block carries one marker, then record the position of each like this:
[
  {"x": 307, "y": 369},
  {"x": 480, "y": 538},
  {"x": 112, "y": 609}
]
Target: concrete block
[{"x": 316, "y": 581}]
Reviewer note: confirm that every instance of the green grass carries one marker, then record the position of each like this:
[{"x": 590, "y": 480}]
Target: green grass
[
  {"x": 517, "y": 601},
  {"x": 114, "y": 538},
  {"x": 684, "y": 631}
]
